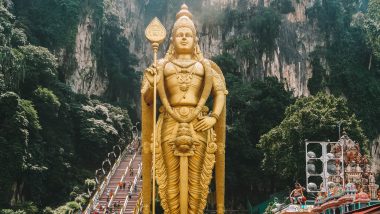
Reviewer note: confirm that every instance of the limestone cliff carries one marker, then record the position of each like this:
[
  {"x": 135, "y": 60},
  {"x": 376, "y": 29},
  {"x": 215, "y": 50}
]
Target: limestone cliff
[
  {"x": 290, "y": 62},
  {"x": 85, "y": 79}
]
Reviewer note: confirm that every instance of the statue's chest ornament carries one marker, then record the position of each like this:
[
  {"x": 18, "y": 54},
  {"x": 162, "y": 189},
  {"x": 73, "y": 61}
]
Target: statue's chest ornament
[{"x": 184, "y": 75}]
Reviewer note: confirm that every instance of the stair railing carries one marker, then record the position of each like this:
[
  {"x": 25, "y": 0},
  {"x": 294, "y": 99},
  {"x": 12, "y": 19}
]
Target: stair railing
[
  {"x": 95, "y": 198},
  {"x": 122, "y": 178},
  {"x": 131, "y": 189}
]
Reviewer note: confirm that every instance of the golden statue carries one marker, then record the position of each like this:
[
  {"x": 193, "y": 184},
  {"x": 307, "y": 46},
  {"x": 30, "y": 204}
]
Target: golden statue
[{"x": 188, "y": 139}]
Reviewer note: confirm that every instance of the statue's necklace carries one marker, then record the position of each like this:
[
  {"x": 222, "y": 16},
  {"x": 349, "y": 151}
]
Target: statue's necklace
[{"x": 184, "y": 76}]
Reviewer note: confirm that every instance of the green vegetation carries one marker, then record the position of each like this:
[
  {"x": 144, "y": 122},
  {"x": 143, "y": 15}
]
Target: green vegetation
[
  {"x": 253, "y": 108},
  {"x": 258, "y": 29},
  {"x": 344, "y": 66},
  {"x": 284, "y": 6},
  {"x": 52, "y": 24},
  {"x": 315, "y": 118},
  {"x": 116, "y": 62},
  {"x": 371, "y": 26},
  {"x": 349, "y": 68},
  {"x": 51, "y": 139}
]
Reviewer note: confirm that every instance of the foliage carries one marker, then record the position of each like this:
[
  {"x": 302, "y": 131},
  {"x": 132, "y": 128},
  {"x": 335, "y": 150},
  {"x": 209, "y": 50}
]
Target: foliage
[
  {"x": 39, "y": 66},
  {"x": 227, "y": 63},
  {"x": 269, "y": 208},
  {"x": 315, "y": 118},
  {"x": 2, "y": 84},
  {"x": 9, "y": 211},
  {"x": 48, "y": 210},
  {"x": 259, "y": 28},
  {"x": 372, "y": 27},
  {"x": 28, "y": 207},
  {"x": 45, "y": 23},
  {"x": 283, "y": 6},
  {"x": 79, "y": 198},
  {"x": 345, "y": 65},
  {"x": 369, "y": 23},
  {"x": 19, "y": 139},
  {"x": 253, "y": 108},
  {"x": 6, "y": 21},
  {"x": 10, "y": 59},
  {"x": 115, "y": 61},
  {"x": 26, "y": 67},
  {"x": 319, "y": 80},
  {"x": 90, "y": 184},
  {"x": 46, "y": 101},
  {"x": 45, "y": 135},
  {"x": 72, "y": 205},
  {"x": 101, "y": 126}
]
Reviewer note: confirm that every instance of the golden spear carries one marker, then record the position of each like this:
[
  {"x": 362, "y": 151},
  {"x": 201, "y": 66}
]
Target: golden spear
[{"x": 155, "y": 32}]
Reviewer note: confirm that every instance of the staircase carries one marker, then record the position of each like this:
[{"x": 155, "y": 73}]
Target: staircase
[
  {"x": 109, "y": 195},
  {"x": 122, "y": 174},
  {"x": 130, "y": 202}
]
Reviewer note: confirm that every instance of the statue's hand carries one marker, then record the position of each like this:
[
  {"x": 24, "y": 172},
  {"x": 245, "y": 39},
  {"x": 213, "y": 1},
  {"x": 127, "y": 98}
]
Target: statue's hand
[
  {"x": 149, "y": 74},
  {"x": 205, "y": 123}
]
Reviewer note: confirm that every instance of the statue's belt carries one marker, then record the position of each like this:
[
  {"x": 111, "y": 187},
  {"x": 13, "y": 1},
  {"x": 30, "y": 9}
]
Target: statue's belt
[{"x": 184, "y": 111}]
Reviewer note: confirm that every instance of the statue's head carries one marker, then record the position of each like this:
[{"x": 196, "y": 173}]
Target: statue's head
[
  {"x": 184, "y": 33},
  {"x": 184, "y": 38}
]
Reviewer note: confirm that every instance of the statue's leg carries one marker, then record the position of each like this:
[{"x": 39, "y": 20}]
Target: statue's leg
[
  {"x": 172, "y": 169},
  {"x": 195, "y": 170}
]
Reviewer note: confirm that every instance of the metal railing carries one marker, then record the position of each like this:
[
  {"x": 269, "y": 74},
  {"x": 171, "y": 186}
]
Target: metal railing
[
  {"x": 95, "y": 198},
  {"x": 131, "y": 189},
  {"x": 122, "y": 178}
]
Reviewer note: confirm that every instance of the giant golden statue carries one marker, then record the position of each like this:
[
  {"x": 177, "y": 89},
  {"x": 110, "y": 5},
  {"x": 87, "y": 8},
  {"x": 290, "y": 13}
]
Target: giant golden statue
[{"x": 189, "y": 139}]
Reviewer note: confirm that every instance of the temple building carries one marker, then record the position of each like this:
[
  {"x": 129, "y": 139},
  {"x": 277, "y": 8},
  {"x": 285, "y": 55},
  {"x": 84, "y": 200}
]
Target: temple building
[{"x": 348, "y": 183}]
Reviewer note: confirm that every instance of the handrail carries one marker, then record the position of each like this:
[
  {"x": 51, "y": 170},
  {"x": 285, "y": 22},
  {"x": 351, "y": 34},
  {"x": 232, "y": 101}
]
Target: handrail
[
  {"x": 131, "y": 189},
  {"x": 94, "y": 199},
  {"x": 104, "y": 184},
  {"x": 122, "y": 178}
]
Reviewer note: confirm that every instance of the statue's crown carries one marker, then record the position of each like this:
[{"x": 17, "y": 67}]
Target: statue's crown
[
  {"x": 184, "y": 12},
  {"x": 184, "y": 19}
]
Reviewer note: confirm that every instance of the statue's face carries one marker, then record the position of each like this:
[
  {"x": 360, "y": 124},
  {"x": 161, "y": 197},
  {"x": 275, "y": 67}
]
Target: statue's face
[{"x": 184, "y": 40}]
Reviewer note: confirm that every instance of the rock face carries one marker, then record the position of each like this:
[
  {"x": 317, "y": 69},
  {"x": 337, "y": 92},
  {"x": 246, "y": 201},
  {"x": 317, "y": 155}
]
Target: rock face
[
  {"x": 85, "y": 78},
  {"x": 290, "y": 62}
]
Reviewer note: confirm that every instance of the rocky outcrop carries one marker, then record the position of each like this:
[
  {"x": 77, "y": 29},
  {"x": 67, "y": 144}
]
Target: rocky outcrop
[
  {"x": 290, "y": 62},
  {"x": 85, "y": 79}
]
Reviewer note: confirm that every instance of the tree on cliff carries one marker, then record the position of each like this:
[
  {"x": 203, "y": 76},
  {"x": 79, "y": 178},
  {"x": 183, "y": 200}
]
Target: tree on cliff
[{"x": 314, "y": 118}]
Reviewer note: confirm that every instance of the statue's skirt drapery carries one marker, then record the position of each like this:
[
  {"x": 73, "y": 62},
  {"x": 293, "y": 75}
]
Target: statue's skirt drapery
[{"x": 173, "y": 139}]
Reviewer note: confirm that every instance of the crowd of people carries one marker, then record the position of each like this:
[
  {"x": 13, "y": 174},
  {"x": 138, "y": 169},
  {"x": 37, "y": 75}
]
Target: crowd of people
[
  {"x": 116, "y": 205},
  {"x": 106, "y": 209}
]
